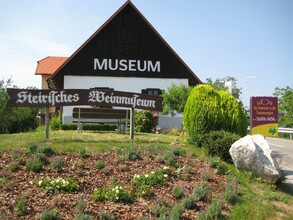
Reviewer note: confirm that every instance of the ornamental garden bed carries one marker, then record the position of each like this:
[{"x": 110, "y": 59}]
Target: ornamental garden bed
[{"x": 131, "y": 182}]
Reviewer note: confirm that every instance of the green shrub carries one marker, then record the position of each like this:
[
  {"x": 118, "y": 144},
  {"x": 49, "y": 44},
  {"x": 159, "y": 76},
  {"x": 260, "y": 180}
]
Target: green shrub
[
  {"x": 15, "y": 120},
  {"x": 143, "y": 182},
  {"x": 57, "y": 163},
  {"x": 50, "y": 214},
  {"x": 114, "y": 194},
  {"x": 132, "y": 153},
  {"x": 20, "y": 207},
  {"x": 212, "y": 212},
  {"x": 179, "y": 151},
  {"x": 82, "y": 152},
  {"x": 14, "y": 166},
  {"x": 83, "y": 216},
  {"x": 51, "y": 186},
  {"x": 47, "y": 150},
  {"x": 177, "y": 192},
  {"x": 220, "y": 167},
  {"x": 35, "y": 165},
  {"x": 188, "y": 202},
  {"x": 90, "y": 127},
  {"x": 170, "y": 159},
  {"x": 100, "y": 194},
  {"x": 204, "y": 175},
  {"x": 207, "y": 110},
  {"x": 176, "y": 212},
  {"x": 3, "y": 180},
  {"x": 33, "y": 147},
  {"x": 106, "y": 216},
  {"x": 160, "y": 209},
  {"x": 145, "y": 121},
  {"x": 100, "y": 164},
  {"x": 218, "y": 144},
  {"x": 157, "y": 177},
  {"x": 184, "y": 172},
  {"x": 55, "y": 123},
  {"x": 80, "y": 207},
  {"x": 67, "y": 127},
  {"x": 201, "y": 191},
  {"x": 15, "y": 156},
  {"x": 99, "y": 127},
  {"x": 41, "y": 157},
  {"x": 230, "y": 193}
]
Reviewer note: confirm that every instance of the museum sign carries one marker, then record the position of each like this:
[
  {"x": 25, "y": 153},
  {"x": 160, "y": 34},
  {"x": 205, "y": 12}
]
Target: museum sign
[{"x": 94, "y": 97}]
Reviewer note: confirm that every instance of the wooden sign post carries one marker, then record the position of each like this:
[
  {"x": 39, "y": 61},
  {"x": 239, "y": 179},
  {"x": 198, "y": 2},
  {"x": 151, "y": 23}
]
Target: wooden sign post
[
  {"x": 131, "y": 123},
  {"x": 47, "y": 122}
]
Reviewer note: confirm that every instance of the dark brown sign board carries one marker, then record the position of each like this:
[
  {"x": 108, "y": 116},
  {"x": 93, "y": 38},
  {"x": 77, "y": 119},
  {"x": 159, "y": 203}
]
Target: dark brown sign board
[{"x": 74, "y": 97}]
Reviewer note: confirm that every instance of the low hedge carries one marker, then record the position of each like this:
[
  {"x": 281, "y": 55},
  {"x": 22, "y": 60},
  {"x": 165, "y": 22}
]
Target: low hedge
[
  {"x": 90, "y": 127},
  {"x": 218, "y": 143}
]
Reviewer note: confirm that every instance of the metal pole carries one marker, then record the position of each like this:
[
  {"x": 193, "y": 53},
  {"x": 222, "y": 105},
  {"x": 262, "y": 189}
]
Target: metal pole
[
  {"x": 47, "y": 122},
  {"x": 131, "y": 123}
]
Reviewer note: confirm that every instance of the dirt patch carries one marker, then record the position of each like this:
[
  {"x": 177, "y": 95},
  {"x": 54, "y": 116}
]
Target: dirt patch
[{"x": 23, "y": 183}]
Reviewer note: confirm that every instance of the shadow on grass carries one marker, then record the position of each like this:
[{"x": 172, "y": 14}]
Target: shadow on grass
[{"x": 287, "y": 185}]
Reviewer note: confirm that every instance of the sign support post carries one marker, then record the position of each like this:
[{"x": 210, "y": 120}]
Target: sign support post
[
  {"x": 47, "y": 122},
  {"x": 79, "y": 129},
  {"x": 131, "y": 123},
  {"x": 126, "y": 122}
]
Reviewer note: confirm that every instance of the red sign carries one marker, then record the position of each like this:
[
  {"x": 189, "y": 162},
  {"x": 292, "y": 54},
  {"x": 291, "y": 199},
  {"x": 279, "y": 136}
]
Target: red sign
[{"x": 264, "y": 116}]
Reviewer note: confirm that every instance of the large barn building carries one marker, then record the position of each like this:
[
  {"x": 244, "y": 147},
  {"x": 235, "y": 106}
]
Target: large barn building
[{"x": 125, "y": 54}]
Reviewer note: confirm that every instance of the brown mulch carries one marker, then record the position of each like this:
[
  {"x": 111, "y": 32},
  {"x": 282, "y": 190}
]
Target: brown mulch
[{"x": 23, "y": 184}]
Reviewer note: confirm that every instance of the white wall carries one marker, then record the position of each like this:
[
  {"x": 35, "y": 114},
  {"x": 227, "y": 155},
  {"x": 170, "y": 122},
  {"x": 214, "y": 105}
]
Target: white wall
[
  {"x": 167, "y": 122},
  {"x": 126, "y": 84}
]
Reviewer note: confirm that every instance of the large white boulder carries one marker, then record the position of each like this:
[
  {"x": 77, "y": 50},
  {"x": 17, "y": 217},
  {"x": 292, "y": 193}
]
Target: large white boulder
[{"x": 253, "y": 153}]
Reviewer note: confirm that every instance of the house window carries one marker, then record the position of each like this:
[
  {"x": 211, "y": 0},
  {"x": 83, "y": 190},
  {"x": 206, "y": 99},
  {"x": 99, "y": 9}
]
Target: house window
[{"x": 151, "y": 91}]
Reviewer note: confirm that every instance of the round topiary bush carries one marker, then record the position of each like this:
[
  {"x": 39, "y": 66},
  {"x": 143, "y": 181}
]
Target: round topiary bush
[{"x": 208, "y": 110}]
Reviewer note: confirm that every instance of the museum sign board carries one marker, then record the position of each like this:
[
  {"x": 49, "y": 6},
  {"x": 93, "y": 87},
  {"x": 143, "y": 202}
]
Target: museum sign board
[{"x": 74, "y": 97}]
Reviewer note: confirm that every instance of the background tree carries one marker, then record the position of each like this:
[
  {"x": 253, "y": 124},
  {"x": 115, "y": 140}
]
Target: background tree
[
  {"x": 175, "y": 98},
  {"x": 208, "y": 110},
  {"x": 285, "y": 106},
  {"x": 219, "y": 84},
  {"x": 13, "y": 120}
]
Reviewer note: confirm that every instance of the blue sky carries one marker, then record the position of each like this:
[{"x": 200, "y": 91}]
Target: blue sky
[{"x": 215, "y": 38}]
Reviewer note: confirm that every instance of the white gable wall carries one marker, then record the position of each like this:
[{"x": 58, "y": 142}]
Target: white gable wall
[{"x": 126, "y": 84}]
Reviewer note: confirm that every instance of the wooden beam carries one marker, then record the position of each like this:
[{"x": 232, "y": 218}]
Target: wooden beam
[
  {"x": 131, "y": 123},
  {"x": 47, "y": 122}
]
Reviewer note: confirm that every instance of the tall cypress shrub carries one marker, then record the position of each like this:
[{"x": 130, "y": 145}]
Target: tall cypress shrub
[{"x": 208, "y": 110}]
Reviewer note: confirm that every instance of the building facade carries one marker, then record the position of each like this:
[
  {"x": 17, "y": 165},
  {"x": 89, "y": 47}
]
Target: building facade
[{"x": 124, "y": 54}]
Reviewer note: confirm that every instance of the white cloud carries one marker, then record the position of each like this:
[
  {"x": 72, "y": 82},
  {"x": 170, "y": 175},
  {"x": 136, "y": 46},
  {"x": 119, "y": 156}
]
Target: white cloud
[{"x": 21, "y": 48}]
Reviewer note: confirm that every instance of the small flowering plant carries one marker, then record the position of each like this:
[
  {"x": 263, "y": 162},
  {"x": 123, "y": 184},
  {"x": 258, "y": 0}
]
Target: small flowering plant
[
  {"x": 115, "y": 194},
  {"x": 145, "y": 121},
  {"x": 51, "y": 186},
  {"x": 143, "y": 182}
]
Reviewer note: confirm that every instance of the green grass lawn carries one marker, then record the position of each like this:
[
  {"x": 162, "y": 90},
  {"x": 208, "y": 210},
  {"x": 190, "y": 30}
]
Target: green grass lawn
[{"x": 257, "y": 200}]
